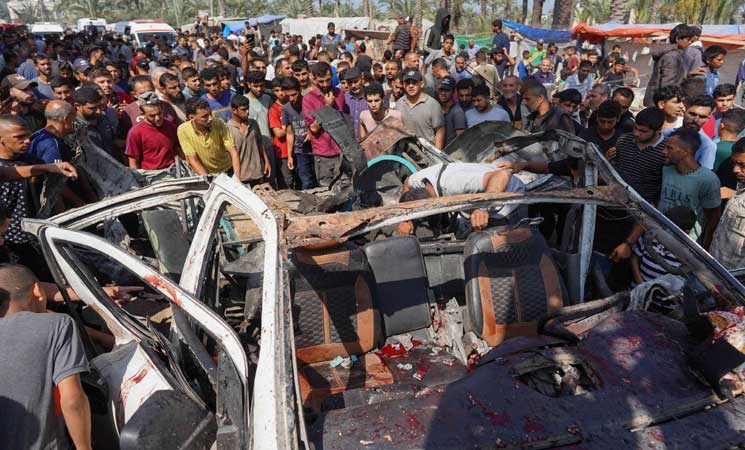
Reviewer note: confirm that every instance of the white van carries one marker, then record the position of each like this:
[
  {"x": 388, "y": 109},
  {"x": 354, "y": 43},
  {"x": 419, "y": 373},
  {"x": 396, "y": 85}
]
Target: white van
[
  {"x": 83, "y": 24},
  {"x": 45, "y": 29},
  {"x": 141, "y": 30}
]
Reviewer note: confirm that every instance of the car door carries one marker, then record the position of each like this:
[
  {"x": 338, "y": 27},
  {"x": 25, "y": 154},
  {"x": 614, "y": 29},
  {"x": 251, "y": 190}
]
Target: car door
[
  {"x": 274, "y": 422},
  {"x": 147, "y": 389}
]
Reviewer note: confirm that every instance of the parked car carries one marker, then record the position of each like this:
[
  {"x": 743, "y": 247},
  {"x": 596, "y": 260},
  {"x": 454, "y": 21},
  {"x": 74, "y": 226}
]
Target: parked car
[{"x": 504, "y": 340}]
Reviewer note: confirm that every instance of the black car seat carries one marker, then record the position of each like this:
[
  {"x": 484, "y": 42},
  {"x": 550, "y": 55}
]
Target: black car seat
[
  {"x": 511, "y": 281},
  {"x": 333, "y": 315},
  {"x": 401, "y": 288}
]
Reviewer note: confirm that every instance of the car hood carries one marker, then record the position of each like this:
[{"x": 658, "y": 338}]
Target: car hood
[{"x": 628, "y": 374}]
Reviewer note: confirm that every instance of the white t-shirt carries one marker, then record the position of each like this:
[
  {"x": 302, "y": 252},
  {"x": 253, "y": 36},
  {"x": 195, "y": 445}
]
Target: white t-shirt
[
  {"x": 460, "y": 178},
  {"x": 497, "y": 113}
]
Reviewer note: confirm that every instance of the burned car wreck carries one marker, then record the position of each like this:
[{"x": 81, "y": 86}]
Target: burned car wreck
[{"x": 318, "y": 330}]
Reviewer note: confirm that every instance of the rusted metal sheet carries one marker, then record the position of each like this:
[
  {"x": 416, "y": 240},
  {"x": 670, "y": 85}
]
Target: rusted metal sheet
[
  {"x": 306, "y": 230},
  {"x": 384, "y": 138}
]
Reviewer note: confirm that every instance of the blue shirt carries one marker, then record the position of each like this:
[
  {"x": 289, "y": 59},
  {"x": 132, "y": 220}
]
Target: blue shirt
[
  {"x": 522, "y": 70},
  {"x": 711, "y": 81},
  {"x": 356, "y": 106},
  {"x": 48, "y": 147},
  {"x": 27, "y": 70},
  {"x": 500, "y": 41},
  {"x": 706, "y": 154},
  {"x": 221, "y": 106}
]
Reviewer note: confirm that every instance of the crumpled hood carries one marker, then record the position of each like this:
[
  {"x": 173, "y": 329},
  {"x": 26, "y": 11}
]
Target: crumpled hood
[{"x": 433, "y": 41}]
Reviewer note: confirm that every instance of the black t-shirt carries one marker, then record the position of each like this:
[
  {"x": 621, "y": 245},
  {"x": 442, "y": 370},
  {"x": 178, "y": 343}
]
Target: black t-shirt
[
  {"x": 591, "y": 135},
  {"x": 364, "y": 63}
]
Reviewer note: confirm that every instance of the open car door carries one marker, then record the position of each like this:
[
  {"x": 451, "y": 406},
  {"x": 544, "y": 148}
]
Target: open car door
[
  {"x": 274, "y": 425},
  {"x": 154, "y": 404}
]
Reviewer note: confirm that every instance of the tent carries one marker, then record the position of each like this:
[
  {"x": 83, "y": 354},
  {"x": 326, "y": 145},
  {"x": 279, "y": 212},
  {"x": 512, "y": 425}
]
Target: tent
[
  {"x": 310, "y": 26},
  {"x": 534, "y": 34},
  {"x": 237, "y": 26},
  {"x": 731, "y": 36}
]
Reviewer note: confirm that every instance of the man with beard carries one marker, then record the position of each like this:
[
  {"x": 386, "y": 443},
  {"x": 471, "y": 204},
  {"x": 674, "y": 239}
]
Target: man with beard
[
  {"x": 728, "y": 243},
  {"x": 543, "y": 115},
  {"x": 23, "y": 98},
  {"x": 455, "y": 118},
  {"x": 698, "y": 111},
  {"x": 170, "y": 87},
  {"x": 299, "y": 152},
  {"x": 301, "y": 72},
  {"x": 460, "y": 69},
  {"x": 88, "y": 102},
  {"x": 44, "y": 67},
  {"x": 421, "y": 113},
  {"x": 392, "y": 69},
  {"x": 151, "y": 144},
  {"x": 355, "y": 98},
  {"x": 206, "y": 141},
  {"x": 483, "y": 110},
  {"x": 378, "y": 73},
  {"x": 395, "y": 93},
  {"x": 326, "y": 152},
  {"x": 464, "y": 88},
  {"x": 511, "y": 101}
]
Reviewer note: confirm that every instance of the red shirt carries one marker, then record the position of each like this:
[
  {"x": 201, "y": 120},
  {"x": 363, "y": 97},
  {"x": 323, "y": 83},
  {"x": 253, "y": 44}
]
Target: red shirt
[
  {"x": 321, "y": 142},
  {"x": 275, "y": 121},
  {"x": 154, "y": 147}
]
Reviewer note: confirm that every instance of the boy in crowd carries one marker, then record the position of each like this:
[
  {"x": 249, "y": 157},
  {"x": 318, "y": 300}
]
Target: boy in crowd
[
  {"x": 731, "y": 125},
  {"x": 376, "y": 111},
  {"x": 279, "y": 136},
  {"x": 669, "y": 99},
  {"x": 299, "y": 154},
  {"x": 724, "y": 97},
  {"x": 255, "y": 165},
  {"x": 604, "y": 134},
  {"x": 714, "y": 57},
  {"x": 523, "y": 67},
  {"x": 192, "y": 83},
  {"x": 569, "y": 100}
]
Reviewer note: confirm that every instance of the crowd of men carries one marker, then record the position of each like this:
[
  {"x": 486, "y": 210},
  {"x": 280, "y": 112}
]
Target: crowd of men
[{"x": 244, "y": 106}]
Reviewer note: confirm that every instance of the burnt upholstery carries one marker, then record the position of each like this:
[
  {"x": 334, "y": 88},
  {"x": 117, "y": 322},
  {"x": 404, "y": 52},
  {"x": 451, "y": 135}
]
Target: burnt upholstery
[
  {"x": 511, "y": 281},
  {"x": 333, "y": 304},
  {"x": 401, "y": 288}
]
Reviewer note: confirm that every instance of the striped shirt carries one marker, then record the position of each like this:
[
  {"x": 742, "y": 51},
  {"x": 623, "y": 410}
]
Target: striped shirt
[
  {"x": 648, "y": 268},
  {"x": 640, "y": 168}
]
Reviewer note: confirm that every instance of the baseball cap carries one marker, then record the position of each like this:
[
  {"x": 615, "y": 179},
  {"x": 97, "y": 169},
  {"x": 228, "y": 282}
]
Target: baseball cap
[
  {"x": 143, "y": 64},
  {"x": 351, "y": 74},
  {"x": 540, "y": 41},
  {"x": 81, "y": 65},
  {"x": 17, "y": 81},
  {"x": 148, "y": 98},
  {"x": 447, "y": 83},
  {"x": 412, "y": 74}
]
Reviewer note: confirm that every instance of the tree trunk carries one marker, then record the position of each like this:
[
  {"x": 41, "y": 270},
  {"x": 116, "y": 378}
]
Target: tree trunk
[
  {"x": 654, "y": 16},
  {"x": 366, "y": 8},
  {"x": 308, "y": 8},
  {"x": 535, "y": 20},
  {"x": 445, "y": 4},
  {"x": 221, "y": 7},
  {"x": 418, "y": 12},
  {"x": 562, "y": 14},
  {"x": 483, "y": 8},
  {"x": 508, "y": 9},
  {"x": 524, "y": 13},
  {"x": 619, "y": 11}
]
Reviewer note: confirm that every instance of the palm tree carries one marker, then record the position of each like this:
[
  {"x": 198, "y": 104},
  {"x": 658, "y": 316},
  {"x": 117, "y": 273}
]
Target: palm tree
[
  {"x": 88, "y": 8},
  {"x": 418, "y": 11},
  {"x": 620, "y": 10},
  {"x": 308, "y": 8},
  {"x": 593, "y": 11},
  {"x": 524, "y": 14},
  {"x": 562, "y": 14},
  {"x": 537, "y": 13},
  {"x": 507, "y": 9}
]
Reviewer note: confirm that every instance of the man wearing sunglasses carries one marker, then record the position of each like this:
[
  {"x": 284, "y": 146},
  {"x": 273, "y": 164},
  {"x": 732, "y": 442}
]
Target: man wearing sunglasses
[{"x": 698, "y": 111}]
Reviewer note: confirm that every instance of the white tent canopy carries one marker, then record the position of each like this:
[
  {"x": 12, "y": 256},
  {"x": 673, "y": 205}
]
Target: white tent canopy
[{"x": 309, "y": 27}]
